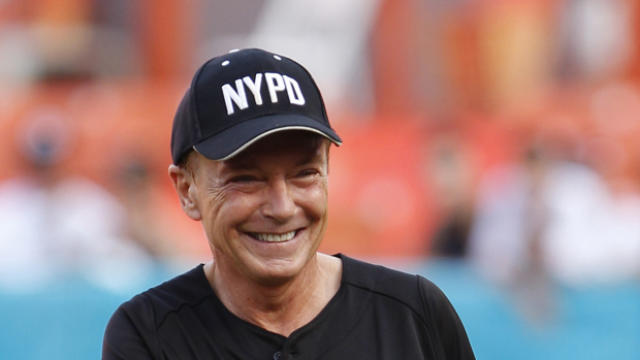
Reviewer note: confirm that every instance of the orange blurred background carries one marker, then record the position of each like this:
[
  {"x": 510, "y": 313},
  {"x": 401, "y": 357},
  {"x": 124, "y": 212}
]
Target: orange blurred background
[
  {"x": 489, "y": 145},
  {"x": 479, "y": 78}
]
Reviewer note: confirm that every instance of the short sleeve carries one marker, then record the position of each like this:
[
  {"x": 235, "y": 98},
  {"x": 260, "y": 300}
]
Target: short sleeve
[
  {"x": 448, "y": 328},
  {"x": 126, "y": 337}
]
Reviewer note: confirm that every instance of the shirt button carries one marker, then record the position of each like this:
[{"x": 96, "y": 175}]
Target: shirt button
[{"x": 277, "y": 355}]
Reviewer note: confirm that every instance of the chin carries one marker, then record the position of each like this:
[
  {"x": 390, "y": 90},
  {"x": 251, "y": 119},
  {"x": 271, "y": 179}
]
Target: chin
[{"x": 277, "y": 272}]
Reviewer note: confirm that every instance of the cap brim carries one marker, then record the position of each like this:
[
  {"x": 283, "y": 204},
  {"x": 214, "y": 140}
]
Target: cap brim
[{"x": 235, "y": 139}]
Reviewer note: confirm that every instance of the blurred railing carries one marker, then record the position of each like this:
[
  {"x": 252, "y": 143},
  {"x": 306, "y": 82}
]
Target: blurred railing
[{"x": 66, "y": 319}]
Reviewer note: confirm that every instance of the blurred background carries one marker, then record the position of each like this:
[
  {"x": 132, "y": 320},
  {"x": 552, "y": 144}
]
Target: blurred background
[{"x": 489, "y": 145}]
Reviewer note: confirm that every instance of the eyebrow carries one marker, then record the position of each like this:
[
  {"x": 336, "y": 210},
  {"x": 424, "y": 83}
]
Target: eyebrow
[
  {"x": 311, "y": 156},
  {"x": 239, "y": 164}
]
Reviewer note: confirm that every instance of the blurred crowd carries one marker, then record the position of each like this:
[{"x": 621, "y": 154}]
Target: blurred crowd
[
  {"x": 502, "y": 133},
  {"x": 54, "y": 222}
]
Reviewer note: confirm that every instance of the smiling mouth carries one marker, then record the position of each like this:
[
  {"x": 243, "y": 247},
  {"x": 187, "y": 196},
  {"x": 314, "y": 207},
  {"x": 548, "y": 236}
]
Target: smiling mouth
[{"x": 273, "y": 237}]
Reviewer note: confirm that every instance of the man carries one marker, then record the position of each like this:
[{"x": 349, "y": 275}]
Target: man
[{"x": 250, "y": 148}]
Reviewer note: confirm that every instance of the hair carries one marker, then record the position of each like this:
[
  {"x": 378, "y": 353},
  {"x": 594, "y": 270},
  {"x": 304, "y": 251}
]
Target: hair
[
  {"x": 186, "y": 163},
  {"x": 185, "y": 160}
]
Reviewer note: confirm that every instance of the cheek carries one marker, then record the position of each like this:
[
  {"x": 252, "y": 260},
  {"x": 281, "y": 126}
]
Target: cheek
[
  {"x": 228, "y": 211},
  {"x": 314, "y": 200}
]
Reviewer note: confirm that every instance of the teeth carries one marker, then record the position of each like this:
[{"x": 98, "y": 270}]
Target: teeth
[{"x": 274, "y": 237}]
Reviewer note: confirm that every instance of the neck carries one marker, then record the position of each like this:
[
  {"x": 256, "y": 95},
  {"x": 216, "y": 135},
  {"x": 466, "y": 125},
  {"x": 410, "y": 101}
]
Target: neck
[{"x": 283, "y": 307}]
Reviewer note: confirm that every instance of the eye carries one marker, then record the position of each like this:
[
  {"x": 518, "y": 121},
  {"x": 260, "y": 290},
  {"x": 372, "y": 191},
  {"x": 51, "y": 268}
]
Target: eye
[{"x": 308, "y": 172}]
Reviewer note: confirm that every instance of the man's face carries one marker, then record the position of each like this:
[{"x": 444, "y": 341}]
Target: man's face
[{"x": 265, "y": 210}]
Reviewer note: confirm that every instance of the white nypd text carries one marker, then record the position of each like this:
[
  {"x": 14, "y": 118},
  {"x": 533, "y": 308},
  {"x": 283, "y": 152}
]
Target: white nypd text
[{"x": 276, "y": 83}]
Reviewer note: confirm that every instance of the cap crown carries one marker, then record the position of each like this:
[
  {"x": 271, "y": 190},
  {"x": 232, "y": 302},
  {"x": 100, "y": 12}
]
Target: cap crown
[{"x": 239, "y": 87}]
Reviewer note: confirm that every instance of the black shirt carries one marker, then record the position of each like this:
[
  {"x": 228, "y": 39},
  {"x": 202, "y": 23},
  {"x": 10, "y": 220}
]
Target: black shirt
[{"x": 377, "y": 313}]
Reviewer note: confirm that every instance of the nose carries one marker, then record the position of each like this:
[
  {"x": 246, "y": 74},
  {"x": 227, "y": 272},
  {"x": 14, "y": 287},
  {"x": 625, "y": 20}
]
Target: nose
[{"x": 279, "y": 204}]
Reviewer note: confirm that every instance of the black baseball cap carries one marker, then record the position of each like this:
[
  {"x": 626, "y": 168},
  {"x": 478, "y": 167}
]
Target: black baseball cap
[{"x": 243, "y": 96}]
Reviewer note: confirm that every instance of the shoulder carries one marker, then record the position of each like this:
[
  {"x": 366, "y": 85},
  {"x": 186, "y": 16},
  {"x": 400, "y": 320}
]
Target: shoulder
[
  {"x": 154, "y": 304},
  {"x": 410, "y": 289},
  {"x": 133, "y": 327},
  {"x": 398, "y": 292}
]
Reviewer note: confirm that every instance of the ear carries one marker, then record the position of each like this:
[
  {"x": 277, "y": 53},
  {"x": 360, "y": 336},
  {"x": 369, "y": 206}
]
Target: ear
[{"x": 185, "y": 186}]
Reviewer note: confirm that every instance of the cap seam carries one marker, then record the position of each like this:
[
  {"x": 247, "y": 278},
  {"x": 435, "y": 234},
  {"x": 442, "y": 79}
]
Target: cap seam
[
  {"x": 196, "y": 78},
  {"x": 269, "y": 132},
  {"x": 274, "y": 130},
  {"x": 204, "y": 138},
  {"x": 322, "y": 104}
]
